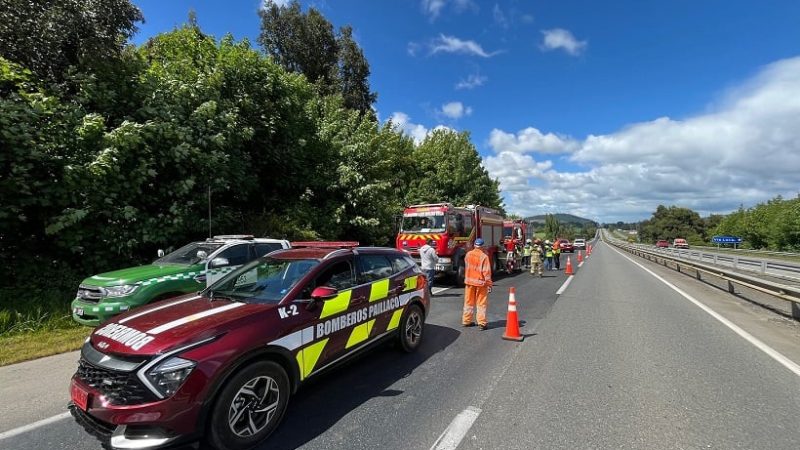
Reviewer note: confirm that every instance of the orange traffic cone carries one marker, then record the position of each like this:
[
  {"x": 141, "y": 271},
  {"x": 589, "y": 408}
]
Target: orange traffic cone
[
  {"x": 589, "y": 250},
  {"x": 512, "y": 321},
  {"x": 568, "y": 271},
  {"x": 580, "y": 256}
]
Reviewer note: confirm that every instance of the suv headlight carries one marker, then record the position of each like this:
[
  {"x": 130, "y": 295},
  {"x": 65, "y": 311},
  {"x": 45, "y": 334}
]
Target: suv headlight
[
  {"x": 168, "y": 376},
  {"x": 121, "y": 290}
]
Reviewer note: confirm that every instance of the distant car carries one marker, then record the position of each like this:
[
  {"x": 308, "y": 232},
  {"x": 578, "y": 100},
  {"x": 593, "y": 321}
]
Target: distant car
[
  {"x": 680, "y": 243},
  {"x": 565, "y": 246},
  {"x": 579, "y": 243},
  {"x": 662, "y": 243}
]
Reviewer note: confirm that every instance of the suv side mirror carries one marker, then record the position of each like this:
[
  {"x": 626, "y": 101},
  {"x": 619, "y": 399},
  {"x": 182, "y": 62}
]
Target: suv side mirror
[
  {"x": 323, "y": 293},
  {"x": 219, "y": 262},
  {"x": 160, "y": 253}
]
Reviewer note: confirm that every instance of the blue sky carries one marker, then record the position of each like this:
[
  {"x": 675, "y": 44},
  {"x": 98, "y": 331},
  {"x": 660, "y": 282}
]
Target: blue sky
[{"x": 604, "y": 109}]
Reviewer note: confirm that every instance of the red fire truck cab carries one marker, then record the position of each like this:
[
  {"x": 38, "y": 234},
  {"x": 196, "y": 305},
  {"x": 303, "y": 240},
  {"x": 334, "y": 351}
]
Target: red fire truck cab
[{"x": 454, "y": 230}]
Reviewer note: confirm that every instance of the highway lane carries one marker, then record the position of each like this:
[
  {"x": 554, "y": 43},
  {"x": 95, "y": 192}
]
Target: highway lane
[
  {"x": 623, "y": 361},
  {"x": 384, "y": 398}
]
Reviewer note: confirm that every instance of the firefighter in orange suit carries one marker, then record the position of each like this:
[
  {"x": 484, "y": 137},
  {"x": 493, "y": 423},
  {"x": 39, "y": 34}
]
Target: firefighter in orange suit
[{"x": 478, "y": 284}]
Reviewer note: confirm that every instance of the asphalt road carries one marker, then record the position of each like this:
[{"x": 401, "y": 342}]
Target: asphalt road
[{"x": 619, "y": 360}]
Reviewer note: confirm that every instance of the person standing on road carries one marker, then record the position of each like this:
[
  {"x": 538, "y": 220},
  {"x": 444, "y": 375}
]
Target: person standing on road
[
  {"x": 557, "y": 254},
  {"x": 536, "y": 258},
  {"x": 477, "y": 285},
  {"x": 428, "y": 260},
  {"x": 548, "y": 255},
  {"x": 526, "y": 254}
]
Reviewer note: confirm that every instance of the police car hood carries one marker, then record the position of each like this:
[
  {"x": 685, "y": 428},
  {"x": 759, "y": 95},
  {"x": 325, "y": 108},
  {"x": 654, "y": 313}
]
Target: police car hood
[
  {"x": 172, "y": 323},
  {"x": 135, "y": 274}
]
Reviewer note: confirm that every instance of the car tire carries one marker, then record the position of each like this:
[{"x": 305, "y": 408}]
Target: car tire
[
  {"x": 460, "y": 272},
  {"x": 258, "y": 395},
  {"x": 411, "y": 329}
]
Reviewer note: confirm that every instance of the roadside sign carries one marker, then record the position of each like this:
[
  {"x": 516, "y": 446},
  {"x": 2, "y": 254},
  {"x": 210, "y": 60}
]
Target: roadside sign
[{"x": 726, "y": 240}]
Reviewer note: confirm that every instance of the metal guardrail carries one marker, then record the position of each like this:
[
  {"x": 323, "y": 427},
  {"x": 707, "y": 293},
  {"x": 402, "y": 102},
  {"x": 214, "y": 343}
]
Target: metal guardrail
[{"x": 782, "y": 291}]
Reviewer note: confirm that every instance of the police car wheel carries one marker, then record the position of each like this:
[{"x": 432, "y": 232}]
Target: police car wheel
[
  {"x": 249, "y": 407},
  {"x": 411, "y": 328}
]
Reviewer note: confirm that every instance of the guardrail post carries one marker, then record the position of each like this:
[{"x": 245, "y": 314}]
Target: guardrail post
[
  {"x": 697, "y": 272},
  {"x": 716, "y": 261},
  {"x": 763, "y": 267},
  {"x": 730, "y": 287},
  {"x": 735, "y": 262},
  {"x": 796, "y": 310}
]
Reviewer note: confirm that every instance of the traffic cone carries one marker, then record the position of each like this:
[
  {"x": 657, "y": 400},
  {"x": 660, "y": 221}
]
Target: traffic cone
[
  {"x": 589, "y": 250},
  {"x": 568, "y": 271},
  {"x": 512, "y": 321},
  {"x": 580, "y": 256}
]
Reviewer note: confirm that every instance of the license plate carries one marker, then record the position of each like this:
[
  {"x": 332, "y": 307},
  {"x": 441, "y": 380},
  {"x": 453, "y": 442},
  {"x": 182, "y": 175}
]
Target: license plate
[
  {"x": 439, "y": 268},
  {"x": 79, "y": 396},
  {"x": 78, "y": 311}
]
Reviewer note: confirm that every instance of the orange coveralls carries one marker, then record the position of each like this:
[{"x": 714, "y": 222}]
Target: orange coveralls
[{"x": 477, "y": 280}]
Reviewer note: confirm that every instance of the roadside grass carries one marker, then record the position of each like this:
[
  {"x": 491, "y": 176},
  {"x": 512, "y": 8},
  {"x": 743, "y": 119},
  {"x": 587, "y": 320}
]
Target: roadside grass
[
  {"x": 36, "y": 323},
  {"x": 20, "y": 347}
]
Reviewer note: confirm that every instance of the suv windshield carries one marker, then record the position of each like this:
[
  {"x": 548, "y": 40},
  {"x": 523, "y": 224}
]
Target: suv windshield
[
  {"x": 263, "y": 281},
  {"x": 424, "y": 224},
  {"x": 188, "y": 253}
]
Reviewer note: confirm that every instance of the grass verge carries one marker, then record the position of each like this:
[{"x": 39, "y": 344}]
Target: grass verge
[{"x": 20, "y": 347}]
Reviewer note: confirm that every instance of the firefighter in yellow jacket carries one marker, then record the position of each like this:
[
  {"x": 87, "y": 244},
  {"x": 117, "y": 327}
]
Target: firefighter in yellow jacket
[{"x": 477, "y": 285}]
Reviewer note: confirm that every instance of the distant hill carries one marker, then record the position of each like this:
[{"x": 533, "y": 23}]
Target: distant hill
[{"x": 563, "y": 218}]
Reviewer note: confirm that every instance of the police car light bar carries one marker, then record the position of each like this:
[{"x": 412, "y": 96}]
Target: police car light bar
[{"x": 325, "y": 244}]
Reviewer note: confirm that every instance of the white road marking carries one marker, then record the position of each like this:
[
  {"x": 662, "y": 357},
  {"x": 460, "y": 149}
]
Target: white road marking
[
  {"x": 33, "y": 426},
  {"x": 564, "y": 286},
  {"x": 438, "y": 290},
  {"x": 457, "y": 429},
  {"x": 771, "y": 352}
]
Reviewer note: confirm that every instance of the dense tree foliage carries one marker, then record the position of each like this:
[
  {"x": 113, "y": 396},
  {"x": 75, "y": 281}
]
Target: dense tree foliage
[
  {"x": 305, "y": 42},
  {"x": 48, "y": 37},
  {"x": 673, "y": 222},
  {"x": 774, "y": 225},
  {"x": 98, "y": 176}
]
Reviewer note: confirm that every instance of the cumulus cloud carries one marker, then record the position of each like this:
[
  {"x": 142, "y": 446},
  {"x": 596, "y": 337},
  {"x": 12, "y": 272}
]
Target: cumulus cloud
[
  {"x": 455, "y": 110},
  {"x": 402, "y": 122},
  {"x": 559, "y": 38},
  {"x": 452, "y": 44},
  {"x": 530, "y": 140},
  {"x": 280, "y": 3},
  {"x": 744, "y": 151}
]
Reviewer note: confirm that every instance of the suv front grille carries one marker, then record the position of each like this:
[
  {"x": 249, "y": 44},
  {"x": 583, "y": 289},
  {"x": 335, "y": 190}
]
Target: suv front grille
[
  {"x": 120, "y": 388},
  {"x": 91, "y": 294}
]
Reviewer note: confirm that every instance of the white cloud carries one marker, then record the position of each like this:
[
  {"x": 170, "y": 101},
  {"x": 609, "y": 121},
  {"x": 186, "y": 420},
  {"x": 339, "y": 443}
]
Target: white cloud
[
  {"x": 530, "y": 140},
  {"x": 417, "y": 132},
  {"x": 558, "y": 38},
  {"x": 452, "y": 44},
  {"x": 473, "y": 80},
  {"x": 499, "y": 17},
  {"x": 280, "y": 3},
  {"x": 455, "y": 110},
  {"x": 433, "y": 8},
  {"x": 744, "y": 151}
]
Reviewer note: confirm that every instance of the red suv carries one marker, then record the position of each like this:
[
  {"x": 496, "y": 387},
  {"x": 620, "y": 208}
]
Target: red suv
[
  {"x": 222, "y": 364},
  {"x": 566, "y": 246},
  {"x": 662, "y": 243}
]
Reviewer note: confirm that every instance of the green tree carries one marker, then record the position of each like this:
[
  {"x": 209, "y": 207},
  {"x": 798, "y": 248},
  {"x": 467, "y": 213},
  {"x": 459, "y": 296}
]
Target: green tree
[
  {"x": 50, "y": 36},
  {"x": 449, "y": 170},
  {"x": 552, "y": 226},
  {"x": 301, "y": 42},
  {"x": 673, "y": 222},
  {"x": 354, "y": 73}
]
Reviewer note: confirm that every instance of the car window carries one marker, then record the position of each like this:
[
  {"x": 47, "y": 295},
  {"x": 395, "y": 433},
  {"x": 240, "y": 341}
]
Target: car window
[
  {"x": 236, "y": 255},
  {"x": 264, "y": 248},
  {"x": 338, "y": 276},
  {"x": 400, "y": 263},
  {"x": 264, "y": 281},
  {"x": 374, "y": 267},
  {"x": 188, "y": 253}
]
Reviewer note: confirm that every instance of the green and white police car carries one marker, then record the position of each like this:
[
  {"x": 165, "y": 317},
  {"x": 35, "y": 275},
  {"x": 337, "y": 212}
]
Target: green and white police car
[{"x": 191, "y": 268}]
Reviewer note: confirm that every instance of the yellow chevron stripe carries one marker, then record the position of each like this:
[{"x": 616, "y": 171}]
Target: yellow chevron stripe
[
  {"x": 395, "y": 320},
  {"x": 410, "y": 284},
  {"x": 379, "y": 290},
  {"x": 336, "y": 305},
  {"x": 360, "y": 333},
  {"x": 307, "y": 358}
]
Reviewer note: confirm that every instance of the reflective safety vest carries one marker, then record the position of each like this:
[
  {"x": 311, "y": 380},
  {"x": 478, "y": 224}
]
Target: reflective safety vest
[
  {"x": 526, "y": 251},
  {"x": 549, "y": 252},
  {"x": 478, "y": 269}
]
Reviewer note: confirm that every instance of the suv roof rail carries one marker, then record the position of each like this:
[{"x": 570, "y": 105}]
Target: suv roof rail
[{"x": 325, "y": 244}]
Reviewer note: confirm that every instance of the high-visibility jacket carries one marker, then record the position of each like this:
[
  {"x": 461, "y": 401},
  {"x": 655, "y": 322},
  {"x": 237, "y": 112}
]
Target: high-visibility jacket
[
  {"x": 526, "y": 251},
  {"x": 549, "y": 252},
  {"x": 478, "y": 268}
]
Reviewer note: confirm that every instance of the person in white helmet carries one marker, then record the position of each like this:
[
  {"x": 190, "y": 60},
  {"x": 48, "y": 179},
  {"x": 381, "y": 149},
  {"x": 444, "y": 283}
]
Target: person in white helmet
[{"x": 526, "y": 253}]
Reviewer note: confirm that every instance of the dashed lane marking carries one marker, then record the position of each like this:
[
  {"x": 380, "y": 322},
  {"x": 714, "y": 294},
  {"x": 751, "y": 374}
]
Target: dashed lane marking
[
  {"x": 33, "y": 426},
  {"x": 457, "y": 429}
]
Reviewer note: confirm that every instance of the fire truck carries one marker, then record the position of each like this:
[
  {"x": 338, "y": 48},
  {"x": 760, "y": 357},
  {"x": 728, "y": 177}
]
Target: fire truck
[
  {"x": 514, "y": 232},
  {"x": 454, "y": 230}
]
